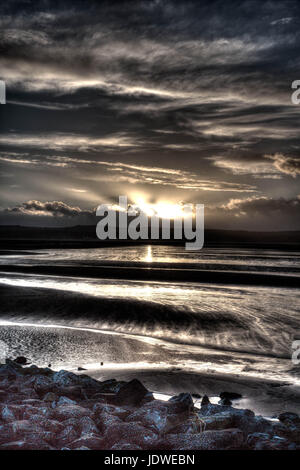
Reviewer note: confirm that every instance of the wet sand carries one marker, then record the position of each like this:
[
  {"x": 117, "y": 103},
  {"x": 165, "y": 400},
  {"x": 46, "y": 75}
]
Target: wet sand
[{"x": 151, "y": 363}]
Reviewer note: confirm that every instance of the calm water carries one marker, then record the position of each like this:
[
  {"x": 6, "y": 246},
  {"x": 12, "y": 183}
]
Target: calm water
[{"x": 234, "y": 329}]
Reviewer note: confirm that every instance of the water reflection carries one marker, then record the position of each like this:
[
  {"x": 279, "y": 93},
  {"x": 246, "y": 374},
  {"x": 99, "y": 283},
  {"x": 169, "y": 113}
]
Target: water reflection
[{"x": 148, "y": 258}]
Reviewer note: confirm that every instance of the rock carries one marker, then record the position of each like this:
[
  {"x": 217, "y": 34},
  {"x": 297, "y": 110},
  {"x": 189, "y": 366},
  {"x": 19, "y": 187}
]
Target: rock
[
  {"x": 47, "y": 424},
  {"x": 64, "y": 412},
  {"x": 205, "y": 401},
  {"x": 105, "y": 420},
  {"x": 91, "y": 441},
  {"x": 8, "y": 414},
  {"x": 196, "y": 395},
  {"x": 80, "y": 368},
  {"x": 65, "y": 401},
  {"x": 153, "y": 416},
  {"x": 207, "y": 440},
  {"x": 257, "y": 437},
  {"x": 120, "y": 412},
  {"x": 132, "y": 433},
  {"x": 158, "y": 416},
  {"x": 225, "y": 402},
  {"x": 43, "y": 385},
  {"x": 21, "y": 360},
  {"x": 219, "y": 421},
  {"x": 67, "y": 435},
  {"x": 210, "y": 409},
  {"x": 240, "y": 418},
  {"x": 147, "y": 398},
  {"x": 65, "y": 378},
  {"x": 50, "y": 397},
  {"x": 182, "y": 402},
  {"x": 289, "y": 430},
  {"x": 125, "y": 446},
  {"x": 289, "y": 418},
  {"x": 88, "y": 426},
  {"x": 29, "y": 411},
  {"x": 34, "y": 370},
  {"x": 6, "y": 433},
  {"x": 74, "y": 392},
  {"x": 26, "y": 445},
  {"x": 230, "y": 395},
  {"x": 24, "y": 430},
  {"x": 10, "y": 370},
  {"x": 108, "y": 385},
  {"x": 131, "y": 393},
  {"x": 263, "y": 441}
]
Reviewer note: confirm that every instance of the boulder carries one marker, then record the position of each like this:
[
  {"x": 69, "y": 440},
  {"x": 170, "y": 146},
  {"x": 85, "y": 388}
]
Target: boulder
[
  {"x": 182, "y": 402},
  {"x": 225, "y": 402},
  {"x": 88, "y": 426},
  {"x": 90, "y": 441},
  {"x": 263, "y": 441},
  {"x": 131, "y": 433},
  {"x": 131, "y": 393},
  {"x": 207, "y": 440},
  {"x": 289, "y": 430},
  {"x": 74, "y": 392},
  {"x": 67, "y": 435},
  {"x": 8, "y": 413},
  {"x": 120, "y": 412},
  {"x": 26, "y": 445},
  {"x": 24, "y": 430},
  {"x": 125, "y": 446},
  {"x": 47, "y": 424},
  {"x": 50, "y": 397},
  {"x": 205, "y": 401},
  {"x": 105, "y": 420},
  {"x": 289, "y": 418},
  {"x": 21, "y": 360},
  {"x": 43, "y": 385},
  {"x": 240, "y": 418},
  {"x": 64, "y": 412},
  {"x": 153, "y": 415},
  {"x": 64, "y": 378},
  {"x": 161, "y": 416},
  {"x": 257, "y": 437},
  {"x": 65, "y": 401}
]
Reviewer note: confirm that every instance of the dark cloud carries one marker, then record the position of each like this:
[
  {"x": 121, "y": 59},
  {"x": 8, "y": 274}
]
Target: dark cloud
[
  {"x": 50, "y": 208},
  {"x": 100, "y": 94}
]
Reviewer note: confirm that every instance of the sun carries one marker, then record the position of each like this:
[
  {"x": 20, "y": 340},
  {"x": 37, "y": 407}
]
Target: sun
[{"x": 162, "y": 209}]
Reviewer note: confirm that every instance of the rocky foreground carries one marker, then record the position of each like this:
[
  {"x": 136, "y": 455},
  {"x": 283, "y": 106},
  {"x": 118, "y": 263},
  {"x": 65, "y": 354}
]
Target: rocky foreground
[{"x": 44, "y": 410}]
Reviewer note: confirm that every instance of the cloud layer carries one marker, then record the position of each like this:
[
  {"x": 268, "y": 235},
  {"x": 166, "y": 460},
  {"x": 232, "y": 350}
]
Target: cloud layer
[{"x": 170, "y": 100}]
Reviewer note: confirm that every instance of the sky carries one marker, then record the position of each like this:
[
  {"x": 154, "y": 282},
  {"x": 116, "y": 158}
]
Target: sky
[{"x": 161, "y": 101}]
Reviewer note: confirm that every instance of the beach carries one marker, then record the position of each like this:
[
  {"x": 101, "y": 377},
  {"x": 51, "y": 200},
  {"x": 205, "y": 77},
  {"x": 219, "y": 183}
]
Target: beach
[{"x": 173, "y": 335}]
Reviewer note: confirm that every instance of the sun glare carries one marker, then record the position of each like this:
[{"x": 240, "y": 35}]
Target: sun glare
[{"x": 164, "y": 210}]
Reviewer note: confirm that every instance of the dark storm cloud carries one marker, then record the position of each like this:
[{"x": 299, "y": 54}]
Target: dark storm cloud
[{"x": 182, "y": 85}]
